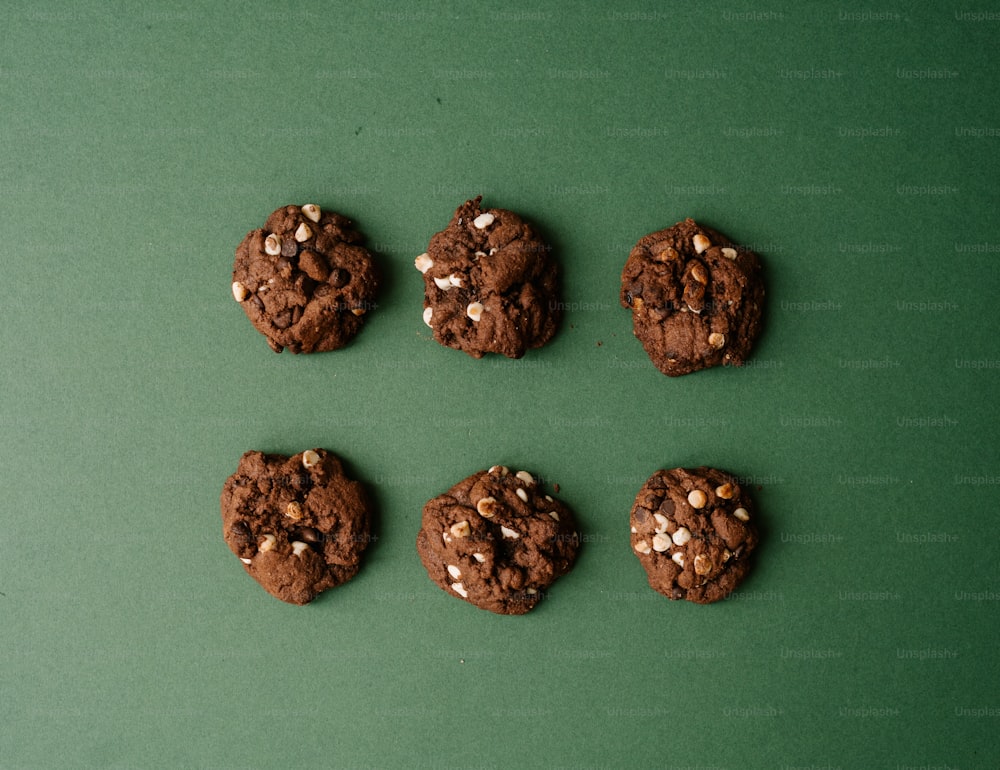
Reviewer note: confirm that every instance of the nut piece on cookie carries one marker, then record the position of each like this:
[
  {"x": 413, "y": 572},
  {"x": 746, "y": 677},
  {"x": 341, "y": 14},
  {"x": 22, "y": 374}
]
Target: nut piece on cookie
[
  {"x": 305, "y": 279},
  {"x": 299, "y": 524},
  {"x": 496, "y": 543},
  {"x": 696, "y": 298},
  {"x": 702, "y": 533},
  {"x": 490, "y": 284}
]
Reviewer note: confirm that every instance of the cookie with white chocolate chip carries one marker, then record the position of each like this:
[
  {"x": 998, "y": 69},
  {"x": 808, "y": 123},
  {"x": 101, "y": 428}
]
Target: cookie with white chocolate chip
[
  {"x": 497, "y": 540},
  {"x": 696, "y": 298},
  {"x": 305, "y": 280},
  {"x": 490, "y": 284},
  {"x": 299, "y": 524},
  {"x": 693, "y": 530}
]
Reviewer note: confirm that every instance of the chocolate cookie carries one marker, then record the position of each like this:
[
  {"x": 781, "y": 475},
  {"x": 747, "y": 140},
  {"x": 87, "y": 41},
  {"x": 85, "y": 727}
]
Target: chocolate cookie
[
  {"x": 497, "y": 541},
  {"x": 304, "y": 279},
  {"x": 298, "y": 524},
  {"x": 695, "y": 297},
  {"x": 490, "y": 284},
  {"x": 693, "y": 532}
]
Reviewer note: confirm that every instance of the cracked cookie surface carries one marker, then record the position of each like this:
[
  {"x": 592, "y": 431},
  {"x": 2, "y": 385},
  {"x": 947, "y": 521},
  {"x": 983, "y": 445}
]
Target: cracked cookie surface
[
  {"x": 497, "y": 540},
  {"x": 305, "y": 280},
  {"x": 693, "y": 531},
  {"x": 299, "y": 524},
  {"x": 696, "y": 298},
  {"x": 490, "y": 284}
]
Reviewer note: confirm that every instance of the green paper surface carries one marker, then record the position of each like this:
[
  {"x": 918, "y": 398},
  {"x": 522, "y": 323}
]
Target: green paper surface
[{"x": 855, "y": 147}]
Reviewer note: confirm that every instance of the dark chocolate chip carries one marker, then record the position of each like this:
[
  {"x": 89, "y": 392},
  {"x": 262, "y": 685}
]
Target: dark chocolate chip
[
  {"x": 310, "y": 535},
  {"x": 301, "y": 482},
  {"x": 339, "y": 277},
  {"x": 240, "y": 532},
  {"x": 304, "y": 283},
  {"x": 283, "y": 319}
]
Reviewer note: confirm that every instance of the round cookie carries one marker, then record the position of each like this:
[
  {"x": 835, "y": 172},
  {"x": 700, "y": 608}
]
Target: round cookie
[
  {"x": 695, "y": 296},
  {"x": 693, "y": 531},
  {"x": 305, "y": 280},
  {"x": 490, "y": 284},
  {"x": 299, "y": 524},
  {"x": 497, "y": 540}
]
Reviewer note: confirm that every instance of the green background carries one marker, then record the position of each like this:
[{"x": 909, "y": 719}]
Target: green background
[{"x": 855, "y": 147}]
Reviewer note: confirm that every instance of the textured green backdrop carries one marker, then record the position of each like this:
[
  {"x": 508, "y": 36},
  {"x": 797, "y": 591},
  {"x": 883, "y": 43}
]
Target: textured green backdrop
[{"x": 854, "y": 146}]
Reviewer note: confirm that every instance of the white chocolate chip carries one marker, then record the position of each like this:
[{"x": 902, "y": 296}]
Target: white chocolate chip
[
  {"x": 678, "y": 559},
  {"x": 455, "y": 280},
  {"x": 727, "y": 555},
  {"x": 741, "y": 514},
  {"x": 311, "y": 211},
  {"x": 493, "y": 251},
  {"x": 483, "y": 220},
  {"x": 549, "y": 498},
  {"x": 461, "y": 529},
  {"x": 702, "y": 564},
  {"x": 246, "y": 561},
  {"x": 428, "y": 314},
  {"x": 272, "y": 245},
  {"x": 442, "y": 283},
  {"x": 661, "y": 522},
  {"x": 729, "y": 253},
  {"x": 642, "y": 547},
  {"x": 479, "y": 254},
  {"x": 475, "y": 310},
  {"x": 266, "y": 544},
  {"x": 303, "y": 233},
  {"x": 531, "y": 591},
  {"x": 240, "y": 292},
  {"x": 522, "y": 494},
  {"x": 455, "y": 572},
  {"x": 509, "y": 533},
  {"x": 697, "y": 498},
  {"x": 661, "y": 542},
  {"x": 446, "y": 537},
  {"x": 634, "y": 530},
  {"x": 725, "y": 491},
  {"x": 487, "y": 507},
  {"x": 554, "y": 515},
  {"x": 310, "y": 459},
  {"x": 479, "y": 557},
  {"x": 700, "y": 243},
  {"x": 423, "y": 263},
  {"x": 293, "y": 510},
  {"x": 459, "y": 589},
  {"x": 717, "y": 340},
  {"x": 526, "y": 477},
  {"x": 298, "y": 547},
  {"x": 681, "y": 536},
  {"x": 503, "y": 469}
]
